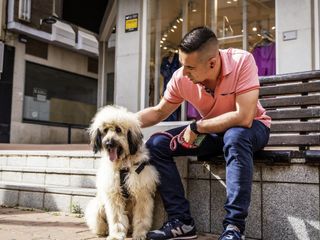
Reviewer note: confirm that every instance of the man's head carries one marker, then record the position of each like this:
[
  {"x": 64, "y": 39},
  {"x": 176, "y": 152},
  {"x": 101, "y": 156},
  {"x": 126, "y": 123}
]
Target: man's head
[{"x": 198, "y": 52}]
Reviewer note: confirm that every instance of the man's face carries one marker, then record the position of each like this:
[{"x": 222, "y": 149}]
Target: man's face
[{"x": 193, "y": 67}]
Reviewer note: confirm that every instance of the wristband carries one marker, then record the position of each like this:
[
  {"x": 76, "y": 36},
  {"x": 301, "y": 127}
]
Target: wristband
[{"x": 194, "y": 127}]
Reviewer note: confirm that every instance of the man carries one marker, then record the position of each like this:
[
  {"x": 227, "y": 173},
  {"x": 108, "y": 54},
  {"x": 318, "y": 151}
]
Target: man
[{"x": 223, "y": 85}]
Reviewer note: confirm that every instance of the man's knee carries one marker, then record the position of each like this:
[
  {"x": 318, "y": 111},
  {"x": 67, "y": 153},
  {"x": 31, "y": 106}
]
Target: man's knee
[
  {"x": 236, "y": 136},
  {"x": 157, "y": 141}
]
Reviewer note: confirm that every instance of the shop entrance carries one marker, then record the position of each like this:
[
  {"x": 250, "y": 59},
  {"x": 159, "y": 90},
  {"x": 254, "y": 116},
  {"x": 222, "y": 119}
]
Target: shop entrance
[{"x": 6, "y": 79}]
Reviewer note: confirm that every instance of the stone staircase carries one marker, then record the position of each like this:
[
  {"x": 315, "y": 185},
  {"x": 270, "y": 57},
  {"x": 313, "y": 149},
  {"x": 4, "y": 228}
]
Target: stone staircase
[{"x": 51, "y": 180}]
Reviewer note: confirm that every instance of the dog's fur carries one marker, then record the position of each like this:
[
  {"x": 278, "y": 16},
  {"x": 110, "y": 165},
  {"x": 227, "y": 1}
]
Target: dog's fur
[{"x": 116, "y": 133}]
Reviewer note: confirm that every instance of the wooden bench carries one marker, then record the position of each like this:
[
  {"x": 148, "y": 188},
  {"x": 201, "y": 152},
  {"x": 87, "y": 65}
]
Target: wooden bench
[{"x": 293, "y": 103}]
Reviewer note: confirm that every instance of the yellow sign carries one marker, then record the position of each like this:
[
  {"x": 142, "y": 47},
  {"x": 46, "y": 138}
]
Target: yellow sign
[{"x": 131, "y": 23}]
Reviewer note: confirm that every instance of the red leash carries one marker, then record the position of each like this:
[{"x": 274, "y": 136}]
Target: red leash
[{"x": 176, "y": 139}]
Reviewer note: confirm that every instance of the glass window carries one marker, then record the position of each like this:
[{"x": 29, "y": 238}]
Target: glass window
[
  {"x": 244, "y": 24},
  {"x": 60, "y": 97}
]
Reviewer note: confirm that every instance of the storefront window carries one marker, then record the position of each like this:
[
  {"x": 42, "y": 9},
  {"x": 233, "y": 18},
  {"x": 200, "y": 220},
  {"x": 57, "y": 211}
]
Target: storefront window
[
  {"x": 244, "y": 24},
  {"x": 54, "y": 96}
]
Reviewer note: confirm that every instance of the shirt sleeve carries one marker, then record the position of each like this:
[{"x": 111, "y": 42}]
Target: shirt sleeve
[
  {"x": 173, "y": 92},
  {"x": 248, "y": 77}
]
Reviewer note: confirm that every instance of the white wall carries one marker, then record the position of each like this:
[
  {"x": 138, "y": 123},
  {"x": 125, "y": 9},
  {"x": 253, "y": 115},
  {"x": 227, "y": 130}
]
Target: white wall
[
  {"x": 294, "y": 55},
  {"x": 127, "y": 61}
]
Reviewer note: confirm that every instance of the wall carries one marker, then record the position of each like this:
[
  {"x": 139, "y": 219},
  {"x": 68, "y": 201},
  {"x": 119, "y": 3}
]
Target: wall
[
  {"x": 127, "y": 61},
  {"x": 2, "y": 18},
  {"x": 34, "y": 133},
  {"x": 294, "y": 55}
]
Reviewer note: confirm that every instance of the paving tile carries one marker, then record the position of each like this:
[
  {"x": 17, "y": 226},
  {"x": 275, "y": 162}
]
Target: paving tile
[
  {"x": 11, "y": 176},
  {"x": 85, "y": 163},
  {"x": 37, "y": 161},
  {"x": 57, "y": 179},
  {"x": 31, "y": 199},
  {"x": 19, "y": 160},
  {"x": 199, "y": 170},
  {"x": 218, "y": 198},
  {"x": 9, "y": 197},
  {"x": 58, "y": 162},
  {"x": 199, "y": 198},
  {"x": 33, "y": 177},
  {"x": 79, "y": 203},
  {"x": 82, "y": 181},
  {"x": 57, "y": 202},
  {"x": 298, "y": 173},
  {"x": 290, "y": 211}
]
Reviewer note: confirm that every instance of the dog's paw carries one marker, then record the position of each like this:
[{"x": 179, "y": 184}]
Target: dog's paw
[
  {"x": 139, "y": 237},
  {"x": 118, "y": 236}
]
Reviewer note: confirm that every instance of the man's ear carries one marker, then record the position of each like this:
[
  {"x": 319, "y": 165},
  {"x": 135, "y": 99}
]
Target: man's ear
[
  {"x": 134, "y": 141},
  {"x": 96, "y": 141}
]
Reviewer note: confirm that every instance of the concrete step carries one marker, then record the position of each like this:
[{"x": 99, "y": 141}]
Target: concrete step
[
  {"x": 40, "y": 196},
  {"x": 68, "y": 177}
]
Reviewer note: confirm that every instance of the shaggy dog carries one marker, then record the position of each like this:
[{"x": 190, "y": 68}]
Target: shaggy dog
[{"x": 126, "y": 182}]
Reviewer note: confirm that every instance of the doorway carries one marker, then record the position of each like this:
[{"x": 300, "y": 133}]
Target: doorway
[{"x": 6, "y": 81}]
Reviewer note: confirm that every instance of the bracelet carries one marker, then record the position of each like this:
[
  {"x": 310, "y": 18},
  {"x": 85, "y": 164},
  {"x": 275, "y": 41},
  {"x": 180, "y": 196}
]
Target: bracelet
[{"x": 194, "y": 127}]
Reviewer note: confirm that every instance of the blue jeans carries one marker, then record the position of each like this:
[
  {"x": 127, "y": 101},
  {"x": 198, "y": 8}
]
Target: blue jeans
[{"x": 237, "y": 144}]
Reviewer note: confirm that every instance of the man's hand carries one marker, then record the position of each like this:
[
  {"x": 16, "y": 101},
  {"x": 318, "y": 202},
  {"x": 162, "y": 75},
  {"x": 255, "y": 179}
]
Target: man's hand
[{"x": 189, "y": 136}]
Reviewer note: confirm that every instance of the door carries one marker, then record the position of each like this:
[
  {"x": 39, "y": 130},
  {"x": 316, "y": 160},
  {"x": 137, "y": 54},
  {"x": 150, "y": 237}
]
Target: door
[{"x": 6, "y": 80}]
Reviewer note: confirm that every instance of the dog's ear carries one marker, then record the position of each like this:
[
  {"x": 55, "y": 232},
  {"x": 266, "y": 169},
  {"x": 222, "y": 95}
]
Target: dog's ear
[
  {"x": 134, "y": 141},
  {"x": 96, "y": 141}
]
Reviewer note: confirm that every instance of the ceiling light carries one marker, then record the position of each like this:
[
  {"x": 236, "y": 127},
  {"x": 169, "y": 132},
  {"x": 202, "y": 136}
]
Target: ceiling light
[
  {"x": 254, "y": 29},
  {"x": 163, "y": 39},
  {"x": 181, "y": 19},
  {"x": 229, "y": 2},
  {"x": 178, "y": 20},
  {"x": 165, "y": 48},
  {"x": 174, "y": 26},
  {"x": 172, "y": 30},
  {"x": 273, "y": 28},
  {"x": 165, "y": 35}
]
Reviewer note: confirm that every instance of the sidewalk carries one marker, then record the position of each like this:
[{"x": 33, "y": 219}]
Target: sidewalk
[{"x": 31, "y": 224}]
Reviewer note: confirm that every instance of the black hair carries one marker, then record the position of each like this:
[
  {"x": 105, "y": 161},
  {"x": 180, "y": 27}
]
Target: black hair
[{"x": 196, "y": 38}]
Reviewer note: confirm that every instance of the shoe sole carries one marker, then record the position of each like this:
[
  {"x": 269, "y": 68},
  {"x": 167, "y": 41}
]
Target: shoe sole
[
  {"x": 186, "y": 237},
  {"x": 180, "y": 238}
]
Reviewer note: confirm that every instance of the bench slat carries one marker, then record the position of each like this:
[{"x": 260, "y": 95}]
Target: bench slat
[
  {"x": 291, "y": 101},
  {"x": 294, "y": 140},
  {"x": 290, "y": 89},
  {"x": 283, "y": 78},
  {"x": 294, "y": 114},
  {"x": 295, "y": 127}
]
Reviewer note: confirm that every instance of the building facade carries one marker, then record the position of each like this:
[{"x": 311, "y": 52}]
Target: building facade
[{"x": 56, "y": 74}]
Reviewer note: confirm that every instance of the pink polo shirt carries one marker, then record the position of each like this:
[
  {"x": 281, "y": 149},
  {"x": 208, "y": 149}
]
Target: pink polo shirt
[{"x": 239, "y": 75}]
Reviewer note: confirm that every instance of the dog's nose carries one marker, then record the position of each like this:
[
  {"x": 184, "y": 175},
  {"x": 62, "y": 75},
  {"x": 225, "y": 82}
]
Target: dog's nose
[{"x": 110, "y": 143}]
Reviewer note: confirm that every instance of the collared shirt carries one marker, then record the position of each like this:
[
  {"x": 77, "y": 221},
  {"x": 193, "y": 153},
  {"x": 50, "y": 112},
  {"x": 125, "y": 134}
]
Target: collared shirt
[{"x": 239, "y": 75}]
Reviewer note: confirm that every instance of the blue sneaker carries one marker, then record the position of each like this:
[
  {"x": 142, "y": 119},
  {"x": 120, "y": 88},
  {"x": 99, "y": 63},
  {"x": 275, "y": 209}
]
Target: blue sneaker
[
  {"x": 231, "y": 233},
  {"x": 173, "y": 229}
]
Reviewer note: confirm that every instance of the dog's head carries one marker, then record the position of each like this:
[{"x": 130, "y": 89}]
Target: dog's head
[{"x": 115, "y": 131}]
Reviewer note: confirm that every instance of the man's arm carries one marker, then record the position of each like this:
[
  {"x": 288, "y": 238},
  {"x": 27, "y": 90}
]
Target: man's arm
[
  {"x": 246, "y": 107},
  {"x": 153, "y": 115}
]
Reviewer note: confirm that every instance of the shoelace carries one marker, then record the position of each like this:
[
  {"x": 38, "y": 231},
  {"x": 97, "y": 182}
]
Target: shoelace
[{"x": 176, "y": 139}]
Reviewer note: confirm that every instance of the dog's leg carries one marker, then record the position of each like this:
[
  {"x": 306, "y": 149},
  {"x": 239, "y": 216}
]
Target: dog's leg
[
  {"x": 142, "y": 215},
  {"x": 117, "y": 219},
  {"x": 95, "y": 217}
]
